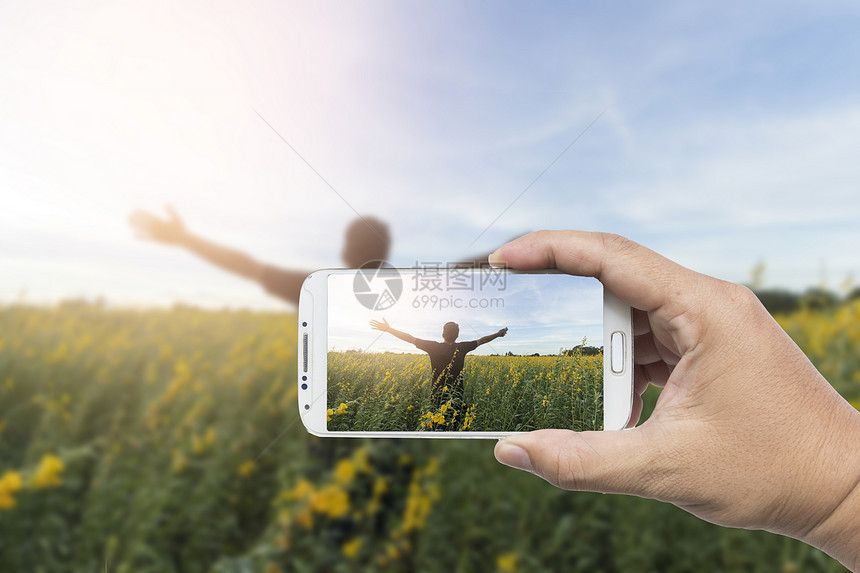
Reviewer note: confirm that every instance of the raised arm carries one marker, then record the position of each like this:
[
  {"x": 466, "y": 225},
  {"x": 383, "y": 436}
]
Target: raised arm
[
  {"x": 489, "y": 337},
  {"x": 385, "y": 327},
  {"x": 172, "y": 231},
  {"x": 283, "y": 283}
]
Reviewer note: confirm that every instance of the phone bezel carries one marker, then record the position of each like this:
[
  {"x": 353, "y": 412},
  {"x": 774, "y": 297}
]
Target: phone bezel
[{"x": 313, "y": 323}]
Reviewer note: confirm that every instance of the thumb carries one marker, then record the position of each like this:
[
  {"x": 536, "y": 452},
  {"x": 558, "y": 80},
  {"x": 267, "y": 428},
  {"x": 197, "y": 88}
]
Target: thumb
[{"x": 604, "y": 461}]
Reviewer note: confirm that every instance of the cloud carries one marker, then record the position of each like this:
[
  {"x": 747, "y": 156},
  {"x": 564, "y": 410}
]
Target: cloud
[{"x": 721, "y": 141}]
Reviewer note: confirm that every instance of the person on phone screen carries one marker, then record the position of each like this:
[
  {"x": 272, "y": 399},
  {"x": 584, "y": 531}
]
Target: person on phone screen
[
  {"x": 366, "y": 243},
  {"x": 446, "y": 360}
]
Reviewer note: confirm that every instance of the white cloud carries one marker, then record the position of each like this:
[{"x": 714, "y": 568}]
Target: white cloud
[{"x": 428, "y": 116}]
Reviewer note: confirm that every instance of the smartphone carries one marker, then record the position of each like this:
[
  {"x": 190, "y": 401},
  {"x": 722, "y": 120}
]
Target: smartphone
[{"x": 461, "y": 352}]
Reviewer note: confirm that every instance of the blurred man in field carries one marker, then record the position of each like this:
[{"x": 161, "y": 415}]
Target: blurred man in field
[
  {"x": 447, "y": 359},
  {"x": 366, "y": 243}
]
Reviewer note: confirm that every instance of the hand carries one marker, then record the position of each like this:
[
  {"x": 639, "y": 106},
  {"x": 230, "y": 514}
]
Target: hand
[
  {"x": 746, "y": 432},
  {"x": 170, "y": 230},
  {"x": 502, "y": 332},
  {"x": 383, "y": 326}
]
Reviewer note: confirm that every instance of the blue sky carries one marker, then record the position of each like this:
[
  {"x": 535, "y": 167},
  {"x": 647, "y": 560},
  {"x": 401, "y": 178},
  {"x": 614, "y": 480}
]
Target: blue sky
[
  {"x": 543, "y": 313},
  {"x": 728, "y": 135}
]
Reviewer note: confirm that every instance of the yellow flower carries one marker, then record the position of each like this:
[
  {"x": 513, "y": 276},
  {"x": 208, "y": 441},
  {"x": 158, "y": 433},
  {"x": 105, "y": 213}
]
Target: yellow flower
[
  {"x": 305, "y": 519},
  {"x": 48, "y": 473},
  {"x": 362, "y": 462},
  {"x": 331, "y": 500},
  {"x": 351, "y": 548},
  {"x": 6, "y": 501},
  {"x": 443, "y": 408},
  {"x": 507, "y": 562},
  {"x": 180, "y": 462},
  {"x": 11, "y": 482},
  {"x": 344, "y": 472},
  {"x": 246, "y": 468},
  {"x": 328, "y": 413},
  {"x": 302, "y": 489},
  {"x": 432, "y": 467},
  {"x": 438, "y": 418},
  {"x": 210, "y": 436},
  {"x": 340, "y": 409},
  {"x": 380, "y": 486}
]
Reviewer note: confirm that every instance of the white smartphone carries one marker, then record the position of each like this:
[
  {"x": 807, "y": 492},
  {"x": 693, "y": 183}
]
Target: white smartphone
[{"x": 477, "y": 352}]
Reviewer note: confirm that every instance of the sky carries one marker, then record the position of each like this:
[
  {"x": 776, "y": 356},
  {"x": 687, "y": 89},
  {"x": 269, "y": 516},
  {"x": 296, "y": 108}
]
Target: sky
[
  {"x": 543, "y": 313},
  {"x": 721, "y": 135}
]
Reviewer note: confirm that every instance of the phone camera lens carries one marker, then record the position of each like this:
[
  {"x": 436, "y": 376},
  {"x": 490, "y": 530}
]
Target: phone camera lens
[
  {"x": 304, "y": 386},
  {"x": 304, "y": 324},
  {"x": 307, "y": 406},
  {"x": 304, "y": 378}
]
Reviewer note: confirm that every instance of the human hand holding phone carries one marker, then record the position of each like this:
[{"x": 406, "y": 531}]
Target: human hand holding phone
[{"x": 746, "y": 432}]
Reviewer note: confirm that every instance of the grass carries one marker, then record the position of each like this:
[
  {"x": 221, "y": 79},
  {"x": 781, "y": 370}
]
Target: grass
[
  {"x": 391, "y": 392},
  {"x": 180, "y": 449}
]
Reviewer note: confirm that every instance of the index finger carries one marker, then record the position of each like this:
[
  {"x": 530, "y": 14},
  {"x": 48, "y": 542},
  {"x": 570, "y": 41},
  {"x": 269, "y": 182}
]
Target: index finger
[{"x": 636, "y": 274}]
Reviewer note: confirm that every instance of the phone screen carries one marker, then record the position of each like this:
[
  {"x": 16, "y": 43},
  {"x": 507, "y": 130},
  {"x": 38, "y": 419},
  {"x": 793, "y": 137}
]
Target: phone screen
[{"x": 463, "y": 350}]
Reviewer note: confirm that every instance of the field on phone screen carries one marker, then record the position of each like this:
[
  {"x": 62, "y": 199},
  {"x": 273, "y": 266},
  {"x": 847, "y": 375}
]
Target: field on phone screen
[
  {"x": 160, "y": 441},
  {"x": 391, "y": 392}
]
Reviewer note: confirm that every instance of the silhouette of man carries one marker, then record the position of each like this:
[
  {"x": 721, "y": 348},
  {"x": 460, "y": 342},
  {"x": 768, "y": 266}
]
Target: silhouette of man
[
  {"x": 446, "y": 358},
  {"x": 366, "y": 242}
]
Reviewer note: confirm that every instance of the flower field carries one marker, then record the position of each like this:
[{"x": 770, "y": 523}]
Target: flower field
[
  {"x": 169, "y": 440},
  {"x": 391, "y": 392}
]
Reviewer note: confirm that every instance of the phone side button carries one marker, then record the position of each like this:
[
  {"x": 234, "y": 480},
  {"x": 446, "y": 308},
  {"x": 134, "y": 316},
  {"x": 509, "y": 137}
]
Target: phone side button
[
  {"x": 305, "y": 352},
  {"x": 616, "y": 348}
]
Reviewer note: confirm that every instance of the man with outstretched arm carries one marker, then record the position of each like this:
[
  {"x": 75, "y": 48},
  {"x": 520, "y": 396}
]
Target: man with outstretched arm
[
  {"x": 446, "y": 359},
  {"x": 366, "y": 243}
]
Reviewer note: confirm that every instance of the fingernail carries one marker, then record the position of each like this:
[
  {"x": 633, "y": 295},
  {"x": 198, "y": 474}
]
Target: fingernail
[
  {"x": 495, "y": 260},
  {"x": 513, "y": 456}
]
